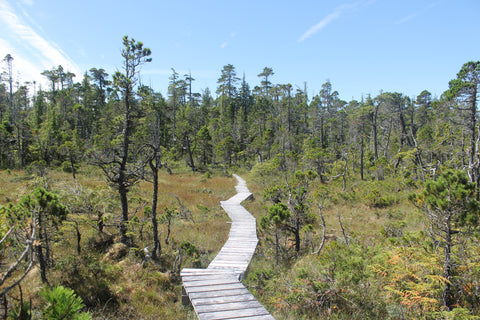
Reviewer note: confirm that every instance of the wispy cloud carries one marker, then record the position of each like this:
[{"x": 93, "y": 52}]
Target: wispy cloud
[
  {"x": 337, "y": 13},
  {"x": 28, "y": 70},
  {"x": 415, "y": 14},
  {"x": 32, "y": 53},
  {"x": 27, "y": 2},
  {"x": 224, "y": 44}
]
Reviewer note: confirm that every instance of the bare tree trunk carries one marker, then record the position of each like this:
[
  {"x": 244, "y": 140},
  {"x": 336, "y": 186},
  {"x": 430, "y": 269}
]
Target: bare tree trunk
[
  {"x": 320, "y": 207},
  {"x": 375, "y": 133}
]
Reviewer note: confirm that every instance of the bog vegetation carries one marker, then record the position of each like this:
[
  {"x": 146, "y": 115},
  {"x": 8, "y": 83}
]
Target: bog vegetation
[{"x": 366, "y": 209}]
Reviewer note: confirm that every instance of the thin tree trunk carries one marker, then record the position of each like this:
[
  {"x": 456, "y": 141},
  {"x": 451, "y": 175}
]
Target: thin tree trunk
[
  {"x": 190, "y": 154},
  {"x": 375, "y": 133},
  {"x": 123, "y": 223},
  {"x": 277, "y": 245},
  {"x": 79, "y": 238},
  {"x": 320, "y": 207},
  {"x": 122, "y": 179},
  {"x": 157, "y": 249},
  {"x": 361, "y": 160},
  {"x": 343, "y": 229},
  {"x": 39, "y": 252}
]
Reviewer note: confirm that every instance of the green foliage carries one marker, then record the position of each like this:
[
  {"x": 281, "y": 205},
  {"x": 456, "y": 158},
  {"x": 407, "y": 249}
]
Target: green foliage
[
  {"x": 20, "y": 312},
  {"x": 375, "y": 195},
  {"x": 274, "y": 193},
  {"x": 188, "y": 248},
  {"x": 86, "y": 274},
  {"x": 170, "y": 213},
  {"x": 468, "y": 78},
  {"x": 336, "y": 284},
  {"x": 63, "y": 303},
  {"x": 47, "y": 202},
  {"x": 297, "y": 147},
  {"x": 457, "y": 314},
  {"x": 277, "y": 214},
  {"x": 452, "y": 192},
  {"x": 260, "y": 276}
]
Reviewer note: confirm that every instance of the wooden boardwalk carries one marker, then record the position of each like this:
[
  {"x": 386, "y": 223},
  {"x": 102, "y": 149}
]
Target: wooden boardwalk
[{"x": 217, "y": 292}]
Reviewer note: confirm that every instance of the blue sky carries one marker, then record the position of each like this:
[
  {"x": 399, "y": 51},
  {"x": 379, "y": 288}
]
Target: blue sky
[{"x": 361, "y": 46}]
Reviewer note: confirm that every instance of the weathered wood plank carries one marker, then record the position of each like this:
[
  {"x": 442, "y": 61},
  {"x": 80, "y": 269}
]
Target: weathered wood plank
[
  {"x": 228, "y": 306},
  {"x": 216, "y": 294},
  {"x": 216, "y": 287},
  {"x": 225, "y": 299},
  {"x": 233, "y": 313},
  {"x": 210, "y": 282},
  {"x": 263, "y": 317},
  {"x": 201, "y": 277},
  {"x": 186, "y": 272}
]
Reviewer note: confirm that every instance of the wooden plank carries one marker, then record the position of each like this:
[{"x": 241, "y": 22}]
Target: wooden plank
[
  {"x": 210, "y": 282},
  {"x": 216, "y": 287},
  {"x": 188, "y": 272},
  {"x": 241, "y": 263},
  {"x": 228, "y": 306},
  {"x": 216, "y": 294},
  {"x": 240, "y": 250},
  {"x": 233, "y": 313},
  {"x": 241, "y": 255},
  {"x": 231, "y": 258},
  {"x": 241, "y": 243},
  {"x": 193, "y": 278},
  {"x": 263, "y": 317},
  {"x": 243, "y": 248},
  {"x": 225, "y": 299},
  {"x": 229, "y": 264}
]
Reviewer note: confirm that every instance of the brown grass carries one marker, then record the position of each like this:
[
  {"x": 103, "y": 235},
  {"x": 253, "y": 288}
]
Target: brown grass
[{"x": 142, "y": 292}]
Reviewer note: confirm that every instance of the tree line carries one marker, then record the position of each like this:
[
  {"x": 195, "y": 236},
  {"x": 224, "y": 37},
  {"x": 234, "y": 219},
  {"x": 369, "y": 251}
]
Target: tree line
[{"x": 131, "y": 131}]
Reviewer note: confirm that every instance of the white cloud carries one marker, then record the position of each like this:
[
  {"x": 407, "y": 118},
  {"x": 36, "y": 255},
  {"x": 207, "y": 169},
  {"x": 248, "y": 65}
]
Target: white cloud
[
  {"x": 226, "y": 43},
  {"x": 28, "y": 72},
  {"x": 27, "y": 2},
  {"x": 414, "y": 14},
  {"x": 32, "y": 53},
  {"x": 319, "y": 26},
  {"x": 337, "y": 13}
]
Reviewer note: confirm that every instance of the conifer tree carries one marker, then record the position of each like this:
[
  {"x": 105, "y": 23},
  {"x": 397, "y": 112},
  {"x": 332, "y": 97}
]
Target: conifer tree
[
  {"x": 452, "y": 211},
  {"x": 117, "y": 160}
]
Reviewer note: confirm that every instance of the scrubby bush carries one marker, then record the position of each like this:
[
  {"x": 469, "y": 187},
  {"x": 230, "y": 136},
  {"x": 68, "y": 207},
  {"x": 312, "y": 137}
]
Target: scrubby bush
[{"x": 63, "y": 304}]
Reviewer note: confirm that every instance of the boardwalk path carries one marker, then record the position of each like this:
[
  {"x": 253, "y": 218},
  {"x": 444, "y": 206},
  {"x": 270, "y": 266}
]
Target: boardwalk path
[{"x": 216, "y": 292}]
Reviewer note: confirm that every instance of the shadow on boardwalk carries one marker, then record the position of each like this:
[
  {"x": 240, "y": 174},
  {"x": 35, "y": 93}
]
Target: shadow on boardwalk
[{"x": 217, "y": 292}]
